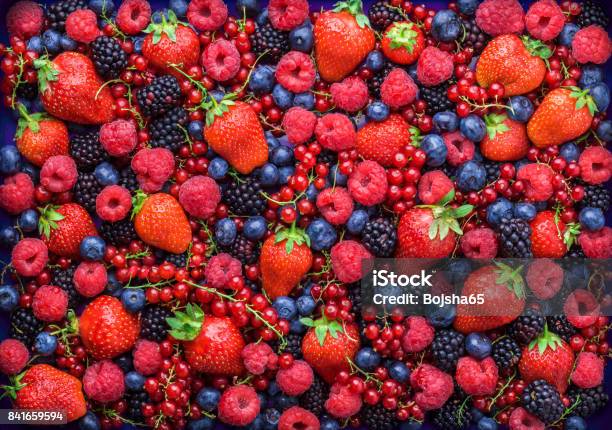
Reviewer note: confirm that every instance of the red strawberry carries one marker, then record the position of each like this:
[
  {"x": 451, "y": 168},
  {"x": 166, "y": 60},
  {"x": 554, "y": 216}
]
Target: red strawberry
[
  {"x": 62, "y": 228},
  {"x": 548, "y": 235},
  {"x": 506, "y": 139},
  {"x": 380, "y": 141},
  {"x": 403, "y": 42},
  {"x": 39, "y": 137}
]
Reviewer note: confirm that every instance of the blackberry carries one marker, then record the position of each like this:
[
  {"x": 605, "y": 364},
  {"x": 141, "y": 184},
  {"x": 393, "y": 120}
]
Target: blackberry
[
  {"x": 293, "y": 346},
  {"x": 168, "y": 131},
  {"x": 127, "y": 179},
  {"x": 244, "y": 197},
  {"x": 506, "y": 353},
  {"x": 543, "y": 400},
  {"x": 592, "y": 13},
  {"x": 447, "y": 347},
  {"x": 378, "y": 417},
  {"x": 58, "y": 12},
  {"x": 575, "y": 252},
  {"x": 119, "y": 233},
  {"x": 329, "y": 157},
  {"x": 179, "y": 260},
  {"x": 108, "y": 57},
  {"x": 561, "y": 326},
  {"x": 64, "y": 278},
  {"x": 153, "y": 325},
  {"x": 472, "y": 36},
  {"x": 527, "y": 327},
  {"x": 596, "y": 196},
  {"x": 382, "y": 15},
  {"x": 244, "y": 250},
  {"x": 86, "y": 190},
  {"x": 591, "y": 400},
  {"x": 436, "y": 98},
  {"x": 267, "y": 38},
  {"x": 314, "y": 399},
  {"x": 25, "y": 326},
  {"x": 379, "y": 236},
  {"x": 27, "y": 91},
  {"x": 454, "y": 415},
  {"x": 376, "y": 81},
  {"x": 515, "y": 238},
  {"x": 87, "y": 150},
  {"x": 135, "y": 400},
  {"x": 160, "y": 96},
  {"x": 492, "y": 169},
  {"x": 125, "y": 362}
]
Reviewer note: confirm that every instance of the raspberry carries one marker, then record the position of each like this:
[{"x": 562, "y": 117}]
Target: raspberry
[
  {"x": 296, "y": 418},
  {"x": 342, "y": 402},
  {"x": 153, "y": 167},
  {"x": 432, "y": 386},
  {"x": 25, "y": 19},
  {"x": 350, "y": 95},
  {"x": 299, "y": 125},
  {"x": 239, "y": 405},
  {"x": 538, "y": 181},
  {"x": 82, "y": 26},
  {"x": 147, "y": 357},
  {"x": 295, "y": 380},
  {"x": 398, "y": 89},
  {"x": 50, "y": 303},
  {"x": 103, "y": 382},
  {"x": 90, "y": 278},
  {"x": 17, "y": 193},
  {"x": 418, "y": 335},
  {"x": 595, "y": 165},
  {"x": 496, "y": 17},
  {"x": 296, "y": 72},
  {"x": 335, "y": 204},
  {"x": 285, "y": 15},
  {"x": 591, "y": 45},
  {"x": 59, "y": 174},
  {"x": 588, "y": 371},
  {"x": 200, "y": 196},
  {"x": 207, "y": 15},
  {"x": 544, "y": 278},
  {"x": 433, "y": 186},
  {"x": 221, "y": 60},
  {"x": 335, "y": 131},
  {"x": 113, "y": 203},
  {"x": 581, "y": 308},
  {"x": 477, "y": 377},
  {"x": 14, "y": 356},
  {"x": 596, "y": 244},
  {"x": 119, "y": 137},
  {"x": 29, "y": 257},
  {"x": 434, "y": 66},
  {"x": 368, "y": 183},
  {"x": 133, "y": 16},
  {"x": 520, "y": 419},
  {"x": 479, "y": 243},
  {"x": 220, "y": 269},
  {"x": 544, "y": 20},
  {"x": 346, "y": 258},
  {"x": 459, "y": 148},
  {"x": 258, "y": 357}
]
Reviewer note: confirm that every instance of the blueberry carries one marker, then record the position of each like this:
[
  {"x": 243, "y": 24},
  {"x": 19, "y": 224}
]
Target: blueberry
[
  {"x": 36, "y": 44},
  {"x": 442, "y": 316},
  {"x": 329, "y": 424},
  {"x": 591, "y": 75},
  {"x": 478, "y": 345},
  {"x": 262, "y": 18},
  {"x": 52, "y": 41},
  {"x": 525, "y": 211},
  {"x": 575, "y": 423},
  {"x": 446, "y": 26},
  {"x": 487, "y": 423},
  {"x": 357, "y": 221},
  {"x": 283, "y": 98},
  {"x": 434, "y": 147},
  {"x": 471, "y": 176},
  {"x": 458, "y": 270},
  {"x": 375, "y": 61},
  {"x": 301, "y": 38},
  {"x": 285, "y": 402},
  {"x": 273, "y": 388},
  {"x": 272, "y": 416},
  {"x": 89, "y": 421},
  {"x": 312, "y": 192},
  {"x": 498, "y": 210},
  {"x": 218, "y": 167},
  {"x": 134, "y": 381},
  {"x": 262, "y": 80},
  {"x": 138, "y": 42},
  {"x": 271, "y": 140},
  {"x": 604, "y": 130},
  {"x": 520, "y": 108},
  {"x": 567, "y": 34},
  {"x": 337, "y": 178},
  {"x": 225, "y": 231},
  {"x": 250, "y": 7},
  {"x": 377, "y": 111},
  {"x": 601, "y": 95},
  {"x": 281, "y": 156},
  {"x": 10, "y": 160},
  {"x": 569, "y": 151},
  {"x": 446, "y": 121},
  {"x": 9, "y": 298},
  {"x": 468, "y": 7},
  {"x": 92, "y": 248},
  {"x": 102, "y": 7},
  {"x": 476, "y": 414},
  {"x": 179, "y": 7},
  {"x": 399, "y": 371},
  {"x": 473, "y": 128},
  {"x": 255, "y": 228},
  {"x": 592, "y": 219},
  {"x": 285, "y": 173},
  {"x": 367, "y": 359},
  {"x": 45, "y": 343},
  {"x": 322, "y": 234},
  {"x": 305, "y": 304},
  {"x": 305, "y": 100},
  {"x": 285, "y": 307},
  {"x": 269, "y": 175},
  {"x": 28, "y": 220},
  {"x": 195, "y": 129},
  {"x": 204, "y": 423},
  {"x": 133, "y": 299},
  {"x": 411, "y": 425},
  {"x": 9, "y": 236},
  {"x": 208, "y": 398},
  {"x": 106, "y": 174},
  {"x": 68, "y": 44}
]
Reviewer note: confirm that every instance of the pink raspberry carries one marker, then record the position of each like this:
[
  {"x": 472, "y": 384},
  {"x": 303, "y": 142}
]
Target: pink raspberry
[
  {"x": 296, "y": 418},
  {"x": 82, "y": 26},
  {"x": 296, "y": 72},
  {"x": 544, "y": 20},
  {"x": 418, "y": 335},
  {"x": 17, "y": 193},
  {"x": 342, "y": 402},
  {"x": 538, "y": 181},
  {"x": 496, "y": 17},
  {"x": 544, "y": 278},
  {"x": 113, "y": 203},
  {"x": 434, "y": 66},
  {"x": 29, "y": 257},
  {"x": 398, "y": 89},
  {"x": 368, "y": 183},
  {"x": 153, "y": 167},
  {"x": 103, "y": 382},
  {"x": 119, "y": 137},
  {"x": 432, "y": 387},
  {"x": 90, "y": 278},
  {"x": 50, "y": 303},
  {"x": 285, "y": 15},
  {"x": 220, "y": 269},
  {"x": 259, "y": 357},
  {"x": 58, "y": 174},
  {"x": 25, "y": 19},
  {"x": 199, "y": 196},
  {"x": 520, "y": 419},
  {"x": 335, "y": 131},
  {"x": 133, "y": 16},
  {"x": 207, "y": 15},
  {"x": 350, "y": 95},
  {"x": 433, "y": 186},
  {"x": 295, "y": 380},
  {"x": 221, "y": 60},
  {"x": 147, "y": 357},
  {"x": 239, "y": 405},
  {"x": 588, "y": 371},
  {"x": 595, "y": 165},
  {"x": 479, "y": 243},
  {"x": 299, "y": 125},
  {"x": 596, "y": 244},
  {"x": 14, "y": 356},
  {"x": 581, "y": 308},
  {"x": 335, "y": 204},
  {"x": 347, "y": 257},
  {"x": 477, "y": 377},
  {"x": 591, "y": 45},
  {"x": 459, "y": 148}
]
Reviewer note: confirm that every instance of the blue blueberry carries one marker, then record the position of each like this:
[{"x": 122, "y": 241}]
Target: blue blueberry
[
  {"x": 329, "y": 424},
  {"x": 446, "y": 26},
  {"x": 312, "y": 192},
  {"x": 285, "y": 173},
  {"x": 9, "y": 298},
  {"x": 283, "y": 98},
  {"x": 262, "y": 18},
  {"x": 262, "y": 80},
  {"x": 591, "y": 75},
  {"x": 218, "y": 167},
  {"x": 204, "y": 423},
  {"x": 458, "y": 270},
  {"x": 367, "y": 359},
  {"x": 271, "y": 140},
  {"x": 9, "y": 236},
  {"x": 575, "y": 423},
  {"x": 434, "y": 147},
  {"x": 195, "y": 130},
  {"x": 106, "y": 174},
  {"x": 28, "y": 220},
  {"x": 476, "y": 414},
  {"x": 377, "y": 111},
  {"x": 375, "y": 61},
  {"x": 442, "y": 316},
  {"x": 357, "y": 221},
  {"x": 89, "y": 421},
  {"x": 285, "y": 402},
  {"x": 305, "y": 304},
  {"x": 92, "y": 248},
  {"x": 305, "y": 100},
  {"x": 520, "y": 108},
  {"x": 567, "y": 34},
  {"x": 133, "y": 299},
  {"x": 285, "y": 307},
  {"x": 134, "y": 381},
  {"x": 102, "y": 7},
  {"x": 271, "y": 416},
  {"x": 468, "y": 7},
  {"x": 446, "y": 121},
  {"x": 273, "y": 388},
  {"x": 251, "y": 7},
  {"x": 322, "y": 234},
  {"x": 301, "y": 38},
  {"x": 592, "y": 219},
  {"x": 335, "y": 177},
  {"x": 52, "y": 41},
  {"x": 478, "y": 345},
  {"x": 281, "y": 156},
  {"x": 10, "y": 160},
  {"x": 225, "y": 231},
  {"x": 604, "y": 130},
  {"x": 500, "y": 209},
  {"x": 471, "y": 176},
  {"x": 525, "y": 211},
  {"x": 68, "y": 44},
  {"x": 138, "y": 42},
  {"x": 569, "y": 151},
  {"x": 35, "y": 44},
  {"x": 473, "y": 128},
  {"x": 601, "y": 95},
  {"x": 399, "y": 371},
  {"x": 255, "y": 228},
  {"x": 179, "y": 7},
  {"x": 487, "y": 423},
  {"x": 45, "y": 343},
  {"x": 208, "y": 398}
]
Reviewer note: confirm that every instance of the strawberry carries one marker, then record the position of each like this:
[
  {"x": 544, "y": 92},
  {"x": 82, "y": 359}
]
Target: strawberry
[
  {"x": 329, "y": 347},
  {"x": 71, "y": 90},
  {"x": 107, "y": 329},
  {"x": 161, "y": 213},
  {"x": 548, "y": 235},
  {"x": 285, "y": 259},
  {"x": 62, "y": 228},
  {"x": 342, "y": 40},
  {"x": 563, "y": 115},
  {"x": 516, "y": 63},
  {"x": 39, "y": 136},
  {"x": 403, "y": 42},
  {"x": 506, "y": 139},
  {"x": 502, "y": 288},
  {"x": 547, "y": 357},
  {"x": 380, "y": 141}
]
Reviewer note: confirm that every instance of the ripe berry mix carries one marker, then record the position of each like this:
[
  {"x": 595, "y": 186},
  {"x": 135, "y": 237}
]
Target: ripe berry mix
[{"x": 192, "y": 194}]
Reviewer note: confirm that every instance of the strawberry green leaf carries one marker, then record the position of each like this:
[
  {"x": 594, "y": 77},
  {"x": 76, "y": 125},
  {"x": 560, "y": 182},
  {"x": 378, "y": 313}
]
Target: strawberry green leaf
[
  {"x": 537, "y": 48},
  {"x": 292, "y": 236},
  {"x": 321, "y": 332},
  {"x": 448, "y": 197},
  {"x": 48, "y": 219},
  {"x": 443, "y": 230},
  {"x": 403, "y": 35},
  {"x": 186, "y": 325},
  {"x": 495, "y": 125},
  {"x": 572, "y": 230},
  {"x": 308, "y": 322},
  {"x": 46, "y": 73},
  {"x": 355, "y": 8},
  {"x": 433, "y": 229},
  {"x": 462, "y": 211},
  {"x": 547, "y": 339},
  {"x": 137, "y": 202}
]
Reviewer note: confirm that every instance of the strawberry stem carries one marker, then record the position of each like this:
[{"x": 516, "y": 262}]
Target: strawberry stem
[
  {"x": 137, "y": 202},
  {"x": 403, "y": 35},
  {"x": 292, "y": 236},
  {"x": 547, "y": 339},
  {"x": 495, "y": 124},
  {"x": 46, "y": 73},
  {"x": 355, "y": 8},
  {"x": 322, "y": 326},
  {"x": 48, "y": 219}
]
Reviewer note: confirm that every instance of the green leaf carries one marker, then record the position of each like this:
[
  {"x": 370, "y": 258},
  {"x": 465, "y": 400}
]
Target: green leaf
[
  {"x": 443, "y": 230},
  {"x": 454, "y": 226},
  {"x": 308, "y": 322},
  {"x": 462, "y": 211},
  {"x": 448, "y": 197},
  {"x": 433, "y": 229},
  {"x": 403, "y": 35},
  {"x": 320, "y": 332}
]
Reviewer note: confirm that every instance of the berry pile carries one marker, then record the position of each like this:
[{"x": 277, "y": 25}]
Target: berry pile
[{"x": 192, "y": 194}]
